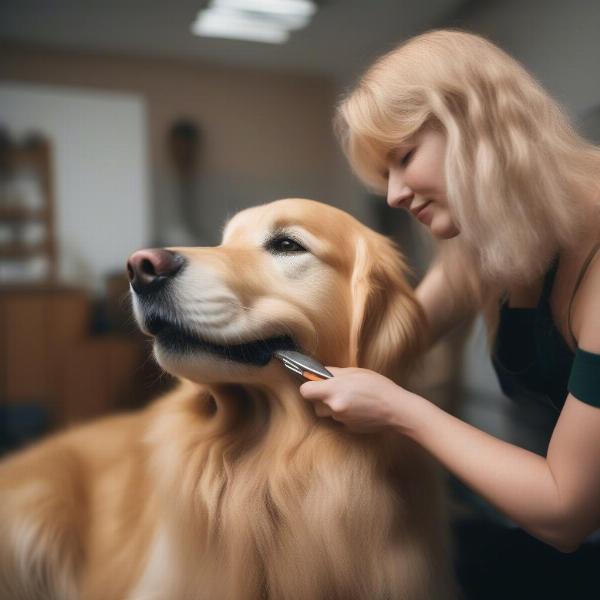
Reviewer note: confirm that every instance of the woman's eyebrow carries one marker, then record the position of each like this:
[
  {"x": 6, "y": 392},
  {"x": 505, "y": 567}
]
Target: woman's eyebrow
[{"x": 393, "y": 153}]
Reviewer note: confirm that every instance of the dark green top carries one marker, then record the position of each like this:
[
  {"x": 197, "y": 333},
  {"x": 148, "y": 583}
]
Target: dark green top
[{"x": 532, "y": 359}]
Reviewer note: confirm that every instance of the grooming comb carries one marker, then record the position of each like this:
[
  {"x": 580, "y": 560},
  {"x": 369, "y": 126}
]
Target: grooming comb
[{"x": 303, "y": 365}]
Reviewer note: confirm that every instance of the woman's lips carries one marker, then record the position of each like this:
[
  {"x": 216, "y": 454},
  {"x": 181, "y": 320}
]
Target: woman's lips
[{"x": 420, "y": 212}]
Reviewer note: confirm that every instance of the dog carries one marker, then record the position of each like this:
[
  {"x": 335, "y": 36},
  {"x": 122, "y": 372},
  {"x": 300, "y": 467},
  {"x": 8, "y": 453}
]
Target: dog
[{"x": 230, "y": 487}]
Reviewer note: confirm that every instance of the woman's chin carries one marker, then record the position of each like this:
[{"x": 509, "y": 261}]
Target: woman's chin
[{"x": 443, "y": 228}]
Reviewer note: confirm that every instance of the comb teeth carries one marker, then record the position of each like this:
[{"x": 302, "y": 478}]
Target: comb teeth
[{"x": 300, "y": 363}]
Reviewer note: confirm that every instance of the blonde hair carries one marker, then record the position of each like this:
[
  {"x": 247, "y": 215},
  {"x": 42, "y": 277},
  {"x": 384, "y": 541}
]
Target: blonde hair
[{"x": 517, "y": 174}]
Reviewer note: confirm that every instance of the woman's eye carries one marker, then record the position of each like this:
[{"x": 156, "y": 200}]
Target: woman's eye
[
  {"x": 284, "y": 245},
  {"x": 406, "y": 158}
]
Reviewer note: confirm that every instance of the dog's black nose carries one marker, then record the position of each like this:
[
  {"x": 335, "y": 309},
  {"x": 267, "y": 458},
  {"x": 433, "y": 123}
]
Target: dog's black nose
[{"x": 149, "y": 269}]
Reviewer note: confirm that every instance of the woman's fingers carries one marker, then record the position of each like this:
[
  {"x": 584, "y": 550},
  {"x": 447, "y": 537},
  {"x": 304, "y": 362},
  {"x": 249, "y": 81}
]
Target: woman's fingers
[
  {"x": 314, "y": 390},
  {"x": 358, "y": 398},
  {"x": 319, "y": 393},
  {"x": 322, "y": 390}
]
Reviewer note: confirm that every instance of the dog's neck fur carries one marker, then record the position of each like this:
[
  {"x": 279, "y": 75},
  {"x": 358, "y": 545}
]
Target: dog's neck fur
[
  {"x": 271, "y": 487},
  {"x": 266, "y": 486},
  {"x": 271, "y": 400}
]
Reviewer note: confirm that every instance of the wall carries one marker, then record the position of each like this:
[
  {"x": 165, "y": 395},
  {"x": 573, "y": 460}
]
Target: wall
[
  {"x": 557, "y": 41},
  {"x": 100, "y": 172},
  {"x": 267, "y": 135}
]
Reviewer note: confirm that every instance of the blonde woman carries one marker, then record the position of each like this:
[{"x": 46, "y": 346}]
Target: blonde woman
[{"x": 455, "y": 131}]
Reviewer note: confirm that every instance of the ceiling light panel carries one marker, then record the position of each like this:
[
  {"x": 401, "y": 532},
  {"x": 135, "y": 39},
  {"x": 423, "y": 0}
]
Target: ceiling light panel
[{"x": 268, "y": 21}]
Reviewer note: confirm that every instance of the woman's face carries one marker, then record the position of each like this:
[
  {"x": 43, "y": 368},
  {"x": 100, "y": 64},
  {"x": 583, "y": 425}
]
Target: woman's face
[{"x": 416, "y": 181}]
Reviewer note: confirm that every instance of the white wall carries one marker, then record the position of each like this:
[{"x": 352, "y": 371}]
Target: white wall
[
  {"x": 266, "y": 135},
  {"x": 558, "y": 41},
  {"x": 100, "y": 172}
]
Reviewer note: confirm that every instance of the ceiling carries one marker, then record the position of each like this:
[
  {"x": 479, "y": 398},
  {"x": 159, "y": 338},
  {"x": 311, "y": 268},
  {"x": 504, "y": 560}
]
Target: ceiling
[{"x": 344, "y": 36}]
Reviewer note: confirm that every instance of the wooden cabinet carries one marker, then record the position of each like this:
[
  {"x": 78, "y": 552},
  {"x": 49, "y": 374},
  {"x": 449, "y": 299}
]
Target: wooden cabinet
[{"x": 48, "y": 357}]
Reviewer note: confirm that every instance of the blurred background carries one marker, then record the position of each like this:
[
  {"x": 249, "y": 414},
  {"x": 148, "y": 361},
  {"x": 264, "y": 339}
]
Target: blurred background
[{"x": 121, "y": 128}]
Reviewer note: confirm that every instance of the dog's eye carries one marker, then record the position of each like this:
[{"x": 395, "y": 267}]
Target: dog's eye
[{"x": 284, "y": 245}]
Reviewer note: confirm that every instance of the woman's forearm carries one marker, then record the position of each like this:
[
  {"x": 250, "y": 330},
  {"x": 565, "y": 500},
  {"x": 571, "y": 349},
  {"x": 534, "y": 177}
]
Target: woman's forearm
[
  {"x": 517, "y": 482},
  {"x": 555, "y": 498}
]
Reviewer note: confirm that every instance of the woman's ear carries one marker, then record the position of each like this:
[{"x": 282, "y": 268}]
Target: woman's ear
[{"x": 388, "y": 324}]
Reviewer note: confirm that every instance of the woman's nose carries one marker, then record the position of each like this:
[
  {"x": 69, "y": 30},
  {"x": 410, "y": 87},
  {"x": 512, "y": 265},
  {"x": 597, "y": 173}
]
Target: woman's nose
[{"x": 398, "y": 193}]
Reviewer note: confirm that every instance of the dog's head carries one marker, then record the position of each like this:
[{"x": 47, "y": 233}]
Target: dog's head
[{"x": 292, "y": 274}]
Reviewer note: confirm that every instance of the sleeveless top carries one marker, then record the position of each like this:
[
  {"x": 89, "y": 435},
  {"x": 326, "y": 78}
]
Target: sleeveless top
[{"x": 532, "y": 359}]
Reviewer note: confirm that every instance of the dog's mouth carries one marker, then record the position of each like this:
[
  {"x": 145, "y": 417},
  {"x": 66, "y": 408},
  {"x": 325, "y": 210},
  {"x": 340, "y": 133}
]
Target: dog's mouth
[{"x": 177, "y": 339}]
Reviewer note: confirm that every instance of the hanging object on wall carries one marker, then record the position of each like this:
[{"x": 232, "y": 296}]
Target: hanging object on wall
[{"x": 179, "y": 219}]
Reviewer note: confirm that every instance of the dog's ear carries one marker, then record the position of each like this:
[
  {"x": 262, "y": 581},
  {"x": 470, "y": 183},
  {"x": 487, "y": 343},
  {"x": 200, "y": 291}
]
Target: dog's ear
[{"x": 388, "y": 324}]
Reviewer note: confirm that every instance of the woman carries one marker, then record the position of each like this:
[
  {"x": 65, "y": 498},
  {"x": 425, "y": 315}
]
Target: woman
[{"x": 457, "y": 132}]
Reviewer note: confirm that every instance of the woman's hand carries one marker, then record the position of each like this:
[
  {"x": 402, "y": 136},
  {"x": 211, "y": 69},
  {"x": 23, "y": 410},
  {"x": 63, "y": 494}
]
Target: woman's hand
[{"x": 362, "y": 400}]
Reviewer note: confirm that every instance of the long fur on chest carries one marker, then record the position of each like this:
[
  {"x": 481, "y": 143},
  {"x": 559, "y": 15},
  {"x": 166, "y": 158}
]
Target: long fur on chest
[{"x": 265, "y": 501}]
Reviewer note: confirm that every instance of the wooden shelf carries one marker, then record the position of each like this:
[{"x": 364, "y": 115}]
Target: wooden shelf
[
  {"x": 23, "y": 214},
  {"x": 34, "y": 155},
  {"x": 17, "y": 251}
]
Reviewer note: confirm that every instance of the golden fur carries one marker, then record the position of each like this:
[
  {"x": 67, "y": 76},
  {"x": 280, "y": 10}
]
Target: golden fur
[{"x": 229, "y": 487}]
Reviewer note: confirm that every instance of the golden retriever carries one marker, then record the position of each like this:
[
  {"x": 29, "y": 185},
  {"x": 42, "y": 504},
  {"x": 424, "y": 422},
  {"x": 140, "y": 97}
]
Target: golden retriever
[{"x": 229, "y": 487}]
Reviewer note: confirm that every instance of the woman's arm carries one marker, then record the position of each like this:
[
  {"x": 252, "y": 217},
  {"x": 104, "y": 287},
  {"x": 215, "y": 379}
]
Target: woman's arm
[
  {"x": 556, "y": 498},
  {"x": 443, "y": 305}
]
